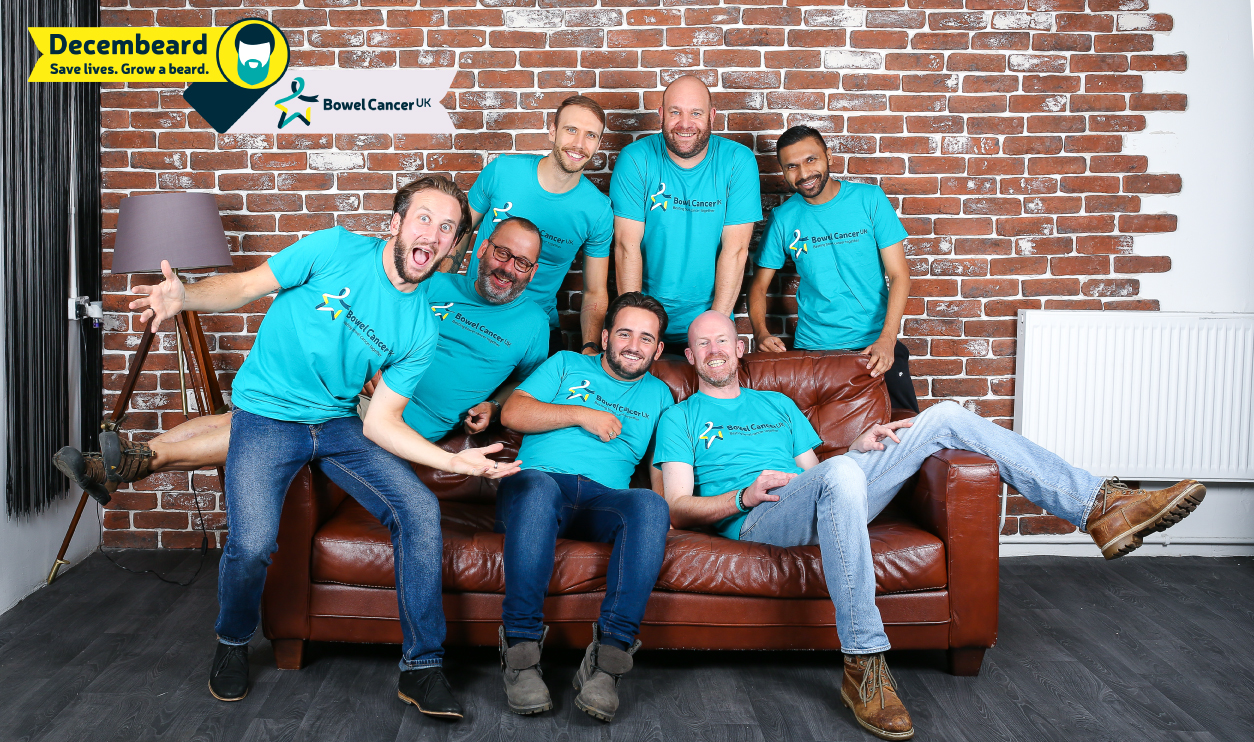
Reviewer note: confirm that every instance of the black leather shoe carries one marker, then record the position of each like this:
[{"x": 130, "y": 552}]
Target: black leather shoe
[
  {"x": 427, "y": 688},
  {"x": 228, "y": 679}
]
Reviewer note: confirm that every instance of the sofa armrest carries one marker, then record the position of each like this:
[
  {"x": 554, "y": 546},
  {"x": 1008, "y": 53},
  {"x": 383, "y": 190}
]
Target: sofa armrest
[
  {"x": 310, "y": 501},
  {"x": 956, "y": 497}
]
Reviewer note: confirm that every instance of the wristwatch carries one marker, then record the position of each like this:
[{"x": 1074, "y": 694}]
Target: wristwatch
[
  {"x": 740, "y": 500},
  {"x": 495, "y": 404},
  {"x": 590, "y": 344}
]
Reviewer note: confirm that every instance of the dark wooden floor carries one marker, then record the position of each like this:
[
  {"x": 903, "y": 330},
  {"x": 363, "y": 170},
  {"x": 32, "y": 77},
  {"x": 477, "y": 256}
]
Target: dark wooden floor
[{"x": 1138, "y": 649}]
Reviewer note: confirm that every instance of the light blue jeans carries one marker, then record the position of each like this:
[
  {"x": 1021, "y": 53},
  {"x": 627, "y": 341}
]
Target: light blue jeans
[{"x": 831, "y": 504}]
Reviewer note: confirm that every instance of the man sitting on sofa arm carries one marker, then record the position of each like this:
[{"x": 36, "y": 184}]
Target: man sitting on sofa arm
[
  {"x": 589, "y": 421},
  {"x": 741, "y": 461}
]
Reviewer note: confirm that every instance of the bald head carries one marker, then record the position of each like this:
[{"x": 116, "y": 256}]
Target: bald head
[
  {"x": 687, "y": 119},
  {"x": 714, "y": 349}
]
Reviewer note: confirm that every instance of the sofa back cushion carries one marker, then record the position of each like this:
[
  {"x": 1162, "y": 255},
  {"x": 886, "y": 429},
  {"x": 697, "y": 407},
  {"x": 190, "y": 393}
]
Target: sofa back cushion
[{"x": 834, "y": 390}]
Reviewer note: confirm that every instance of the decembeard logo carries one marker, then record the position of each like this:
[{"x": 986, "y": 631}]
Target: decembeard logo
[
  {"x": 709, "y": 435},
  {"x": 325, "y": 306},
  {"x": 798, "y": 250},
  {"x": 581, "y": 391},
  {"x": 660, "y": 199},
  {"x": 441, "y": 310},
  {"x": 501, "y": 214}
]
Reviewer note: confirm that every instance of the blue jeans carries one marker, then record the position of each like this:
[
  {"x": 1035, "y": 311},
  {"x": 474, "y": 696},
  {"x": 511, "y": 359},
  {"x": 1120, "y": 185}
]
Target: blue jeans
[
  {"x": 831, "y": 504},
  {"x": 264, "y": 457},
  {"x": 535, "y": 508}
]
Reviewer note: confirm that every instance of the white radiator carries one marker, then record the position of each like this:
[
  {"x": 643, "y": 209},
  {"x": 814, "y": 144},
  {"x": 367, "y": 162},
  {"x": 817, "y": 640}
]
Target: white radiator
[{"x": 1141, "y": 395}]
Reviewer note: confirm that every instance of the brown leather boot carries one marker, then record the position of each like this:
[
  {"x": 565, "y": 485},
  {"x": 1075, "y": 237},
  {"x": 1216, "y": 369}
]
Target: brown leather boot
[
  {"x": 1121, "y": 517},
  {"x": 87, "y": 470},
  {"x": 124, "y": 461},
  {"x": 869, "y": 689}
]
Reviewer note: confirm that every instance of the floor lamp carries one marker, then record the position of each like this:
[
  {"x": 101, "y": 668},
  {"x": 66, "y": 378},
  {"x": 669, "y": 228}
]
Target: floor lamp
[{"x": 186, "y": 230}]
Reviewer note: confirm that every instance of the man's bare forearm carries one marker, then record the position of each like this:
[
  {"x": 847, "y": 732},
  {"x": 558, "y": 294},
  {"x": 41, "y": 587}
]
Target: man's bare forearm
[
  {"x": 229, "y": 291},
  {"x": 729, "y": 271},
  {"x": 691, "y": 510},
  {"x": 757, "y": 301},
  {"x": 526, "y": 414},
  {"x": 898, "y": 293}
]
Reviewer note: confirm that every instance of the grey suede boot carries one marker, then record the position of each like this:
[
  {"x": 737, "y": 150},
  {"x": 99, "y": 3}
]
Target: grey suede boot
[
  {"x": 598, "y": 676},
  {"x": 524, "y": 683}
]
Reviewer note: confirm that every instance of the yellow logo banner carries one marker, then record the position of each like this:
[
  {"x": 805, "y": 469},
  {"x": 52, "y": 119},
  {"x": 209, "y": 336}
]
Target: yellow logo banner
[{"x": 130, "y": 54}]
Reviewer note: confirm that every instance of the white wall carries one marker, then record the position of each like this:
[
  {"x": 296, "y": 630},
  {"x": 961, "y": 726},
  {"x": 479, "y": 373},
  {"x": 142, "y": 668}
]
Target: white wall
[{"x": 1212, "y": 251}]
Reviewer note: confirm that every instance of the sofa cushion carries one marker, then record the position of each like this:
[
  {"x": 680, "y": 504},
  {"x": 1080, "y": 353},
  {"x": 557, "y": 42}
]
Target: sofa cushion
[{"x": 353, "y": 548}]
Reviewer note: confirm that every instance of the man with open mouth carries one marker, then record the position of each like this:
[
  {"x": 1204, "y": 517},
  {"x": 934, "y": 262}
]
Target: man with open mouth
[
  {"x": 845, "y": 239},
  {"x": 572, "y": 214},
  {"x": 759, "y": 480},
  {"x": 347, "y": 306},
  {"x": 587, "y": 422},
  {"x": 684, "y": 207}
]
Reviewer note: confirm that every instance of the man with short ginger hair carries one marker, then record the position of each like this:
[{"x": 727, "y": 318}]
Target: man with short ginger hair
[
  {"x": 570, "y": 211},
  {"x": 684, "y": 207}
]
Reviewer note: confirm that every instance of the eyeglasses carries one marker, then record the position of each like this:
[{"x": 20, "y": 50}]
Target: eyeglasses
[{"x": 504, "y": 255}]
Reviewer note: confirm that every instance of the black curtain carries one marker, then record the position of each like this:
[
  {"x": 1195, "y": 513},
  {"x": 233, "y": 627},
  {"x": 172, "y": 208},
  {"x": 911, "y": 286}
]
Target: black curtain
[{"x": 50, "y": 176}]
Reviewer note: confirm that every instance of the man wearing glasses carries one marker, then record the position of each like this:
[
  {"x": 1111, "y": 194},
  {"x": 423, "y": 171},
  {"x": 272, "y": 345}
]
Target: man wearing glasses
[{"x": 570, "y": 212}]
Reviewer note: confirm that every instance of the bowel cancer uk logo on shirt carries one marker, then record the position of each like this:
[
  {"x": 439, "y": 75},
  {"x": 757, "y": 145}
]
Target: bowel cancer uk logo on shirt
[
  {"x": 660, "y": 200},
  {"x": 334, "y": 303},
  {"x": 667, "y": 202},
  {"x": 581, "y": 391},
  {"x": 709, "y": 435},
  {"x": 441, "y": 311},
  {"x": 501, "y": 214},
  {"x": 798, "y": 247}
]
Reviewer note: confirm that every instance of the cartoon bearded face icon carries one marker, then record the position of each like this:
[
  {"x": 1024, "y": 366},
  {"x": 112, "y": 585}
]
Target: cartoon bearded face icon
[{"x": 254, "y": 44}]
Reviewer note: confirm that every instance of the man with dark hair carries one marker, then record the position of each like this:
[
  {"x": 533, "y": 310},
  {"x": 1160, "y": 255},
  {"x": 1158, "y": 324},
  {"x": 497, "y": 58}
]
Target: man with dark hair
[
  {"x": 570, "y": 212},
  {"x": 684, "y": 208},
  {"x": 254, "y": 43},
  {"x": 588, "y": 421},
  {"x": 346, "y": 307},
  {"x": 845, "y": 240},
  {"x": 761, "y": 481}
]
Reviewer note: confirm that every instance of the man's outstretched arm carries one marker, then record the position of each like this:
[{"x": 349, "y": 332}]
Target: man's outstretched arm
[
  {"x": 220, "y": 293},
  {"x": 526, "y": 414},
  {"x": 688, "y": 510}
]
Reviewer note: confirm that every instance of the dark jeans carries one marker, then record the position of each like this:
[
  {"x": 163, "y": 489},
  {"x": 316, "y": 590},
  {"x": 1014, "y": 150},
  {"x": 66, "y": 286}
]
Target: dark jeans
[
  {"x": 535, "y": 508},
  {"x": 264, "y": 457}
]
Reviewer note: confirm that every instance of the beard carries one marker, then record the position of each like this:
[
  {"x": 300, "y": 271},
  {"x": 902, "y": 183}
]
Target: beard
[
  {"x": 400, "y": 254},
  {"x": 489, "y": 290},
  {"x": 569, "y": 168},
  {"x": 615, "y": 361},
  {"x": 819, "y": 184},
  {"x": 720, "y": 377},
  {"x": 696, "y": 147}
]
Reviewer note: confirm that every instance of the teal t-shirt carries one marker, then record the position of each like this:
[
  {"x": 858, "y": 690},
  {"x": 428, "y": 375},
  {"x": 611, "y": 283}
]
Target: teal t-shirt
[
  {"x": 843, "y": 298},
  {"x": 729, "y": 442},
  {"x": 481, "y": 345},
  {"x": 576, "y": 379},
  {"x": 579, "y": 218},
  {"x": 335, "y": 322},
  {"x": 684, "y": 211}
]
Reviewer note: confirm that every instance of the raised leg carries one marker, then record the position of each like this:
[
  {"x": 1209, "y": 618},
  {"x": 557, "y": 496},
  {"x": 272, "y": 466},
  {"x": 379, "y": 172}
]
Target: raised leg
[
  {"x": 964, "y": 660},
  {"x": 289, "y": 654}
]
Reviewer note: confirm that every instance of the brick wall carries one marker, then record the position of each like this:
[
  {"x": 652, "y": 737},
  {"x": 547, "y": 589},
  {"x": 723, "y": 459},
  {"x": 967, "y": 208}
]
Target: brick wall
[{"x": 997, "y": 127}]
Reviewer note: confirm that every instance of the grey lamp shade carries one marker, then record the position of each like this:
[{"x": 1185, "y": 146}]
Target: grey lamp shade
[{"x": 183, "y": 228}]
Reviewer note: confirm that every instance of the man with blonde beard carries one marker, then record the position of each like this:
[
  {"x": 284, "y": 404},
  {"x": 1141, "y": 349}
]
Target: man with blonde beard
[
  {"x": 761, "y": 481},
  {"x": 571, "y": 213},
  {"x": 684, "y": 207}
]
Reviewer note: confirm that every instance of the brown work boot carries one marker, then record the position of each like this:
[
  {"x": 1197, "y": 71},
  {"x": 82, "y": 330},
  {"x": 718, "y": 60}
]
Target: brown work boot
[
  {"x": 1121, "y": 517},
  {"x": 598, "y": 675},
  {"x": 124, "y": 461},
  {"x": 869, "y": 689},
  {"x": 87, "y": 470}
]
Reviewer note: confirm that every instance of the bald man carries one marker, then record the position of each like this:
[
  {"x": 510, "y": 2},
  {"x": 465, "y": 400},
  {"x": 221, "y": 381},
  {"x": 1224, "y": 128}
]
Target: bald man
[
  {"x": 759, "y": 480},
  {"x": 684, "y": 207}
]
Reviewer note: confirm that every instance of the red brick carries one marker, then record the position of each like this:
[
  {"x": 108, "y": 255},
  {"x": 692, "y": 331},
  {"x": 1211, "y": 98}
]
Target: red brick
[
  {"x": 964, "y": 348},
  {"x": 914, "y": 62},
  {"x": 1159, "y": 62},
  {"x": 934, "y": 83},
  {"x": 888, "y": 40},
  {"x": 990, "y": 84},
  {"x": 1025, "y": 266},
  {"x": 1093, "y": 143},
  {"x": 961, "y": 387},
  {"x": 1051, "y": 83},
  {"x": 933, "y": 327},
  {"x": 964, "y": 62},
  {"x": 1099, "y": 63},
  {"x": 820, "y": 38},
  {"x": 1151, "y": 183},
  {"x": 981, "y": 246},
  {"x": 1147, "y": 223},
  {"x": 995, "y": 125},
  {"x": 1158, "y": 102},
  {"x": 1142, "y": 264},
  {"x": 1124, "y": 42},
  {"x": 1116, "y": 287},
  {"x": 1126, "y": 204},
  {"x": 963, "y": 226},
  {"x": 1050, "y": 287},
  {"x": 1001, "y": 41}
]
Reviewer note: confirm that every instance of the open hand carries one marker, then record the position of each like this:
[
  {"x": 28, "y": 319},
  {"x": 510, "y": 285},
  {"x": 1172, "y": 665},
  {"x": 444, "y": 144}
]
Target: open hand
[
  {"x": 757, "y": 493},
  {"x": 769, "y": 344},
  {"x": 871, "y": 440},
  {"x": 479, "y": 417},
  {"x": 602, "y": 424},
  {"x": 164, "y": 300},
  {"x": 882, "y": 353},
  {"x": 474, "y": 462}
]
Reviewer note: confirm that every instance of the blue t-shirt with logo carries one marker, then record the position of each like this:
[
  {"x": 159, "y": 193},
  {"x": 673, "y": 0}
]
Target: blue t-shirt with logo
[
  {"x": 580, "y": 217},
  {"x": 335, "y": 322},
  {"x": 575, "y": 379},
  {"x": 481, "y": 345},
  {"x": 684, "y": 211},
  {"x": 842, "y": 299},
  {"x": 729, "y": 442}
]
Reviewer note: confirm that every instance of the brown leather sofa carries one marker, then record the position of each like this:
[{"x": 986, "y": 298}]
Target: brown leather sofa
[{"x": 935, "y": 552}]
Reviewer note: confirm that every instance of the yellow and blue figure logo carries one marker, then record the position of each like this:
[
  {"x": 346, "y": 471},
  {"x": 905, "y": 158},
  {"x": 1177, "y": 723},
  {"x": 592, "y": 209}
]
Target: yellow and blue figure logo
[
  {"x": 325, "y": 306},
  {"x": 501, "y": 214},
  {"x": 581, "y": 391},
  {"x": 441, "y": 310},
  {"x": 660, "y": 199},
  {"x": 709, "y": 435},
  {"x": 796, "y": 249},
  {"x": 287, "y": 117}
]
